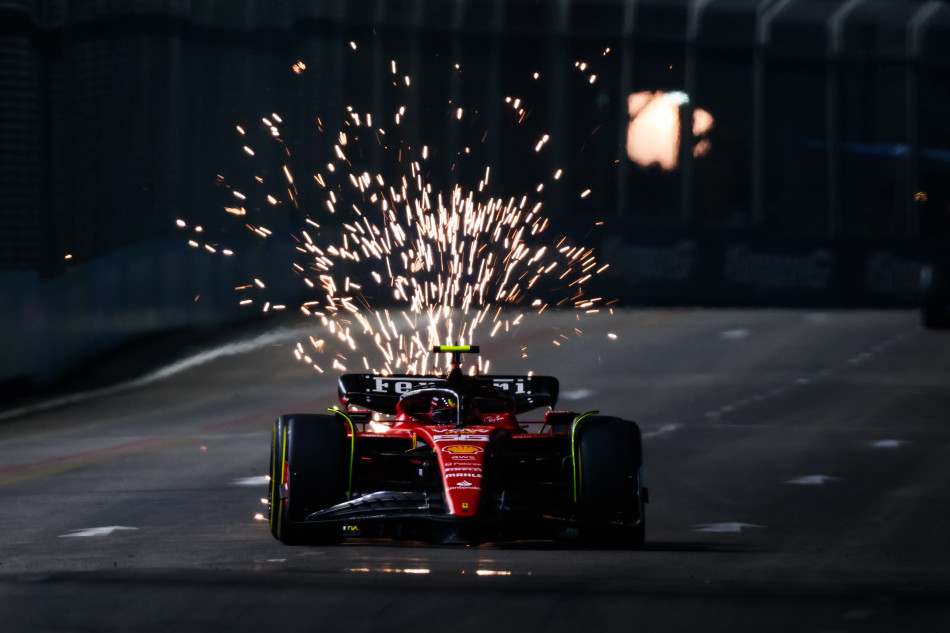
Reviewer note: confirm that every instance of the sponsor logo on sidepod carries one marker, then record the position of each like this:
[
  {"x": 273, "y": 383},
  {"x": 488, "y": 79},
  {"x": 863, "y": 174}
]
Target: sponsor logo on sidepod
[{"x": 462, "y": 449}]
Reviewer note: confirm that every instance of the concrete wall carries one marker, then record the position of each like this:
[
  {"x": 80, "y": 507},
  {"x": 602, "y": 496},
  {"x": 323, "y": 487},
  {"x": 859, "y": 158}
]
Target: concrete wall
[{"x": 50, "y": 325}]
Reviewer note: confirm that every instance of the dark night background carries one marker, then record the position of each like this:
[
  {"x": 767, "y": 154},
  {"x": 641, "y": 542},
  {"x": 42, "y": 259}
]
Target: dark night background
[
  {"x": 826, "y": 183},
  {"x": 770, "y": 337}
]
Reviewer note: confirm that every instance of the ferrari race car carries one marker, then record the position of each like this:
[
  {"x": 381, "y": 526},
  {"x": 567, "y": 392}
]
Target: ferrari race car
[{"x": 449, "y": 461}]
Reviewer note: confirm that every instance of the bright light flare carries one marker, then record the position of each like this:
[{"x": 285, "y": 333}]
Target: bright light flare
[{"x": 653, "y": 133}]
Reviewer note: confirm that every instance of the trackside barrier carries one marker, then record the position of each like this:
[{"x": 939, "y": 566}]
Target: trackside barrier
[
  {"x": 695, "y": 268},
  {"x": 50, "y": 326}
]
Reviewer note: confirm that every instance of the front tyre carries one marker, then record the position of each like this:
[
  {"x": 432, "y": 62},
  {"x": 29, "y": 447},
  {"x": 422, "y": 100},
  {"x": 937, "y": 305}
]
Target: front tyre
[
  {"x": 610, "y": 491},
  {"x": 276, "y": 469},
  {"x": 309, "y": 465}
]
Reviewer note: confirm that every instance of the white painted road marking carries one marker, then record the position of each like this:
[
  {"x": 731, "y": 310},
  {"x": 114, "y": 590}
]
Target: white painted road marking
[
  {"x": 97, "y": 531},
  {"x": 888, "y": 443},
  {"x": 577, "y": 394},
  {"x": 666, "y": 428},
  {"x": 724, "y": 527},
  {"x": 812, "y": 480},
  {"x": 734, "y": 335},
  {"x": 801, "y": 381}
]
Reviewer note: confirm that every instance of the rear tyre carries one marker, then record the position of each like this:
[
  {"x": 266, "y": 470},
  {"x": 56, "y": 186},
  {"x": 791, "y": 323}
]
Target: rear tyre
[
  {"x": 311, "y": 464},
  {"x": 610, "y": 487}
]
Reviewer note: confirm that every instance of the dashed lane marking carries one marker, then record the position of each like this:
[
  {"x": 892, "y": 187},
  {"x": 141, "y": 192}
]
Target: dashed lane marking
[
  {"x": 812, "y": 480},
  {"x": 888, "y": 443},
  {"x": 576, "y": 394},
  {"x": 97, "y": 531},
  {"x": 734, "y": 335},
  {"x": 663, "y": 430},
  {"x": 821, "y": 374}
]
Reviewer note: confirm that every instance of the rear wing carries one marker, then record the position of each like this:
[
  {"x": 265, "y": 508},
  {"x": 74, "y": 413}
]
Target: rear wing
[{"x": 381, "y": 393}]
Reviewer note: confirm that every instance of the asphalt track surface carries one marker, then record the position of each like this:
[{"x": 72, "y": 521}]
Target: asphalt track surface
[{"x": 797, "y": 464}]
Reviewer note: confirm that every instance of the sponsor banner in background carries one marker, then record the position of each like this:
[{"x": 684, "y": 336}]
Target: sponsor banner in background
[
  {"x": 675, "y": 262},
  {"x": 891, "y": 274},
  {"x": 741, "y": 268},
  {"x": 767, "y": 269}
]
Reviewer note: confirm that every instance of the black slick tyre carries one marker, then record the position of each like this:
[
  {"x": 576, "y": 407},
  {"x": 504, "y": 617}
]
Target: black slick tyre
[
  {"x": 611, "y": 495},
  {"x": 312, "y": 462}
]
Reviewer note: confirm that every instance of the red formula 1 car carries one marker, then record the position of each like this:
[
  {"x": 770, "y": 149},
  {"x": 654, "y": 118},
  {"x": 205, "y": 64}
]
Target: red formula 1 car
[{"x": 452, "y": 463}]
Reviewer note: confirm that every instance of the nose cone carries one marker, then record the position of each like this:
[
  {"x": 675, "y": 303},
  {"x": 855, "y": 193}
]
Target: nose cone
[{"x": 461, "y": 455}]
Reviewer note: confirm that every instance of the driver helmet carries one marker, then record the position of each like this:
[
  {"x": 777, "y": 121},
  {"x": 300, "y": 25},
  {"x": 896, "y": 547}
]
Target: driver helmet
[{"x": 443, "y": 410}]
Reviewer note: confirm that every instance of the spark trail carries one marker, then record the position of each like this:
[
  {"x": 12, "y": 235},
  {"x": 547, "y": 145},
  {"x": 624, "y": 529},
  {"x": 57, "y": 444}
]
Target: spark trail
[{"x": 393, "y": 265}]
